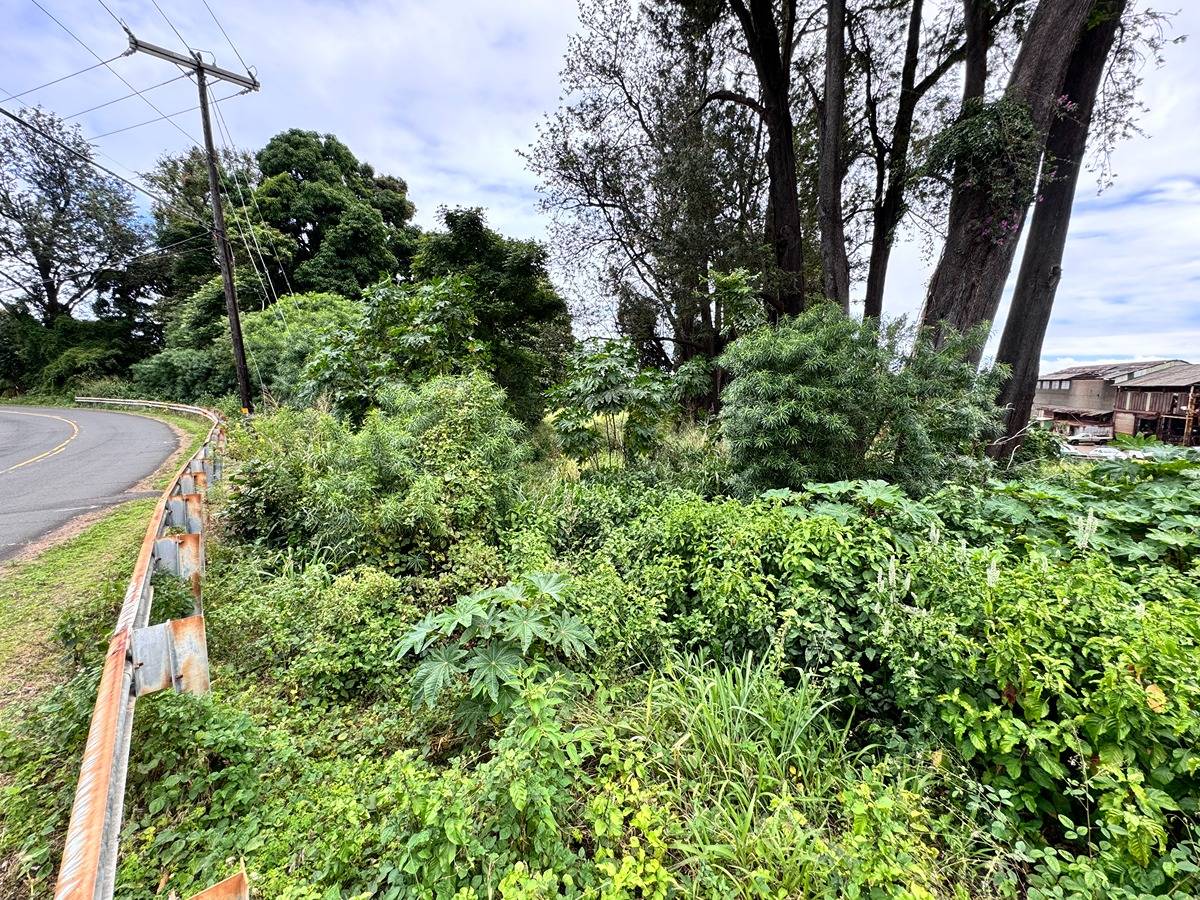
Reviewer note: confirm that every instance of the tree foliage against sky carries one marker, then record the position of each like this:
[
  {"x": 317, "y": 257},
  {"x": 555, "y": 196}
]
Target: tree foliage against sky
[{"x": 64, "y": 227}]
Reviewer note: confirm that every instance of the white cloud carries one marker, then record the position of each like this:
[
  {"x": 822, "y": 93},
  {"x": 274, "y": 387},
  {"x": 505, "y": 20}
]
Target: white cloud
[
  {"x": 444, "y": 95},
  {"x": 440, "y": 94}
]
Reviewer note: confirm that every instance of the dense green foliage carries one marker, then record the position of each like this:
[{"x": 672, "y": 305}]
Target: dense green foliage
[
  {"x": 493, "y": 612},
  {"x": 610, "y": 407},
  {"x": 820, "y": 397},
  {"x": 450, "y": 665}
]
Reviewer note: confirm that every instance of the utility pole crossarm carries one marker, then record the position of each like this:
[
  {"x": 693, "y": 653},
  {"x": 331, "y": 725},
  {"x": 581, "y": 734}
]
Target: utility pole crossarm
[{"x": 249, "y": 82}]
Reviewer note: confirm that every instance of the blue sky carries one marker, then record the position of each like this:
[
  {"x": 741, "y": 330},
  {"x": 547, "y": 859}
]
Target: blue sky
[{"x": 444, "y": 94}]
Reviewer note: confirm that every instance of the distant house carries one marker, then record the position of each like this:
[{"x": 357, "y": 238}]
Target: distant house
[
  {"x": 1163, "y": 404},
  {"x": 1079, "y": 401}
]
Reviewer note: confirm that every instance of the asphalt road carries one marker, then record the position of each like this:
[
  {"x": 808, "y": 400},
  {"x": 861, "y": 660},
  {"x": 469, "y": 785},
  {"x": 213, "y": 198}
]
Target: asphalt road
[{"x": 56, "y": 464}]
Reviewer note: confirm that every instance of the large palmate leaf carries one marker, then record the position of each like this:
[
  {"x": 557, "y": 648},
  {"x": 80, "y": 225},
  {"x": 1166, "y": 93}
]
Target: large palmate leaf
[
  {"x": 436, "y": 671},
  {"x": 492, "y": 665},
  {"x": 552, "y": 584},
  {"x": 463, "y": 613},
  {"x": 512, "y": 592},
  {"x": 879, "y": 493},
  {"x": 569, "y": 634},
  {"x": 524, "y": 625},
  {"x": 420, "y": 637}
]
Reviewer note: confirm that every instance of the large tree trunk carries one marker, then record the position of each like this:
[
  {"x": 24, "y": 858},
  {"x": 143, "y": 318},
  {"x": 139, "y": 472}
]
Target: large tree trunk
[
  {"x": 975, "y": 24},
  {"x": 772, "y": 63},
  {"x": 834, "y": 262},
  {"x": 888, "y": 213},
  {"x": 966, "y": 286},
  {"x": 1041, "y": 266}
]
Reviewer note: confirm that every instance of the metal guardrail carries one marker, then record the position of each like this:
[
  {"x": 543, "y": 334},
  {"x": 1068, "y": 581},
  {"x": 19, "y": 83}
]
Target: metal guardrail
[{"x": 142, "y": 659}]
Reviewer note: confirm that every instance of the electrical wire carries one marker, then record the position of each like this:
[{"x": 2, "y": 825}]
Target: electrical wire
[
  {"x": 265, "y": 277},
  {"x": 232, "y": 46},
  {"x": 119, "y": 99},
  {"x": 83, "y": 156},
  {"x": 226, "y": 132},
  {"x": 166, "y": 250},
  {"x": 81, "y": 43},
  {"x": 280, "y": 315},
  {"x": 172, "y": 24},
  {"x": 31, "y": 90},
  {"x": 166, "y": 116},
  {"x": 108, "y": 10}
]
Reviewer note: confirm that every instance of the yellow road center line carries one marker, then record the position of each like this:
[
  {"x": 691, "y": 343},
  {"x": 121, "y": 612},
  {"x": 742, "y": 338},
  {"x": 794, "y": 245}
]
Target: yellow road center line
[{"x": 53, "y": 450}]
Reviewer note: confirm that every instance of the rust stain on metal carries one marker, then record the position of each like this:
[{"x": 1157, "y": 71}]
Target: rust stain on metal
[
  {"x": 234, "y": 888},
  {"x": 89, "y": 854},
  {"x": 191, "y": 654}
]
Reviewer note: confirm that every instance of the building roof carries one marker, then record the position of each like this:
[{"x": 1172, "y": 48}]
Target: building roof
[
  {"x": 1086, "y": 412},
  {"x": 1176, "y": 376},
  {"x": 1109, "y": 371}
]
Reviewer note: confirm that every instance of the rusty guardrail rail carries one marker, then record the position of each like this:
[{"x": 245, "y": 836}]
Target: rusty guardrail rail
[{"x": 141, "y": 659}]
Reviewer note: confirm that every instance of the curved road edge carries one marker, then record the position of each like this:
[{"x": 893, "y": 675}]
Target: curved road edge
[{"x": 61, "y": 464}]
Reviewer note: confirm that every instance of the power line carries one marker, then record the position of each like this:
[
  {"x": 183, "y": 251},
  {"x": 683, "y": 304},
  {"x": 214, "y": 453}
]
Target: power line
[
  {"x": 31, "y": 90},
  {"x": 166, "y": 250},
  {"x": 119, "y": 99},
  {"x": 227, "y": 37},
  {"x": 83, "y": 156},
  {"x": 165, "y": 116},
  {"x": 228, "y": 133},
  {"x": 108, "y": 10},
  {"x": 268, "y": 287},
  {"x": 79, "y": 41},
  {"x": 172, "y": 24}
]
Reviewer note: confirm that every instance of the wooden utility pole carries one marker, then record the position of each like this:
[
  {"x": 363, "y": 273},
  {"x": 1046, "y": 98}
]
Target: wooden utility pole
[{"x": 224, "y": 254}]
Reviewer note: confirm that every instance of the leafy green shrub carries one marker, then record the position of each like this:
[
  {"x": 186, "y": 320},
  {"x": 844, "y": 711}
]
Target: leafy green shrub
[
  {"x": 733, "y": 578},
  {"x": 433, "y": 465},
  {"x": 1038, "y": 445},
  {"x": 185, "y": 374},
  {"x": 488, "y": 638},
  {"x": 610, "y": 406},
  {"x": 400, "y": 332},
  {"x": 823, "y": 397},
  {"x": 1071, "y": 686},
  {"x": 283, "y": 338},
  {"x": 1134, "y": 509}
]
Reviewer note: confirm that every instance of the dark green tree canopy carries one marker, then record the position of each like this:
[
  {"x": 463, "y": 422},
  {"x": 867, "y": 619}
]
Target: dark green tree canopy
[{"x": 349, "y": 225}]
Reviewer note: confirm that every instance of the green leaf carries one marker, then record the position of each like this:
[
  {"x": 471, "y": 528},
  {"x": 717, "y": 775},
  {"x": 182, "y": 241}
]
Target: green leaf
[
  {"x": 436, "y": 671},
  {"x": 569, "y": 634},
  {"x": 552, "y": 584},
  {"x": 463, "y": 613},
  {"x": 493, "y": 664},
  {"x": 420, "y": 637},
  {"x": 522, "y": 625}
]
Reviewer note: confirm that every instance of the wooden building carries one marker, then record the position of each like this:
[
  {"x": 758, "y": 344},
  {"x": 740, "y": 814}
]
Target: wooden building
[
  {"x": 1162, "y": 404},
  {"x": 1078, "y": 402}
]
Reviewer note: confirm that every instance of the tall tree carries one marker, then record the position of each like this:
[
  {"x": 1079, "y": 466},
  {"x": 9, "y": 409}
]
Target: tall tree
[
  {"x": 1041, "y": 265},
  {"x": 927, "y": 66},
  {"x": 349, "y": 225},
  {"x": 995, "y": 149},
  {"x": 835, "y": 264},
  {"x": 182, "y": 224},
  {"x": 770, "y": 42},
  {"x": 647, "y": 187},
  {"x": 64, "y": 227}
]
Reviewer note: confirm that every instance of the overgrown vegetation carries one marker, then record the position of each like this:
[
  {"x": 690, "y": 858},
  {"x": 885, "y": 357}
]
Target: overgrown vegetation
[
  {"x": 451, "y": 662},
  {"x": 731, "y": 605}
]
